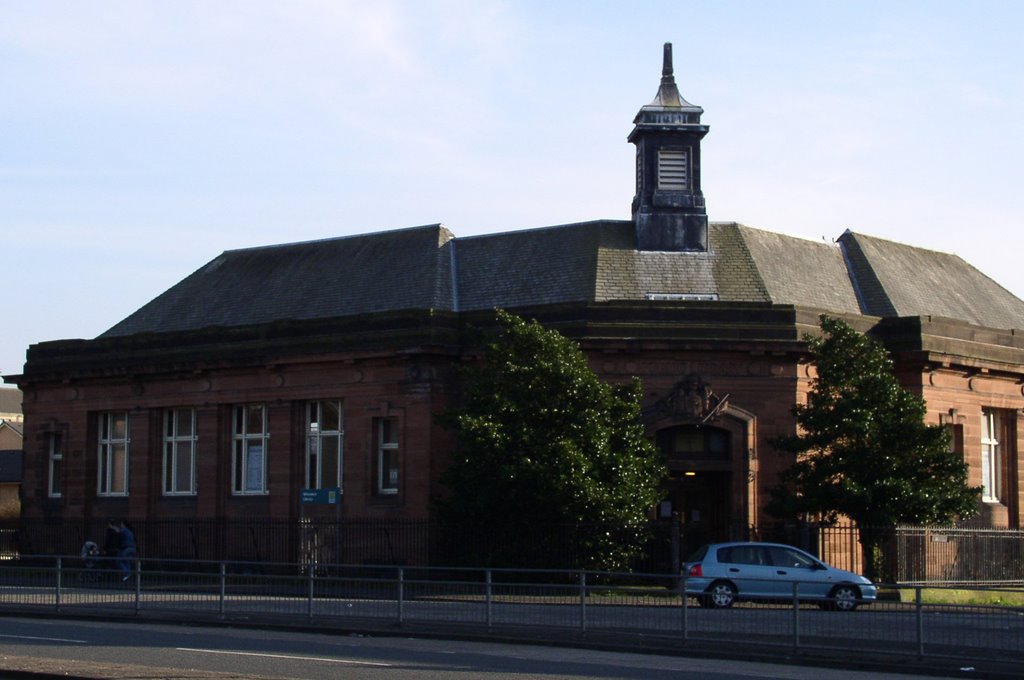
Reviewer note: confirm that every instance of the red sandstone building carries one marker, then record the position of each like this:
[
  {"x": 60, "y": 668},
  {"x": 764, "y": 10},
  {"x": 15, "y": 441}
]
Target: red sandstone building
[{"x": 323, "y": 364}]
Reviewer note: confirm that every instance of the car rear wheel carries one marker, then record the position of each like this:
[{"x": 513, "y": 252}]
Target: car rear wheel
[
  {"x": 720, "y": 595},
  {"x": 844, "y": 598}
]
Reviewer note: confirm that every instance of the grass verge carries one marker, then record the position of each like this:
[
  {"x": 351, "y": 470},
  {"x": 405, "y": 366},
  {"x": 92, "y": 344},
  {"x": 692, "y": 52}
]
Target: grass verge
[{"x": 972, "y": 596}]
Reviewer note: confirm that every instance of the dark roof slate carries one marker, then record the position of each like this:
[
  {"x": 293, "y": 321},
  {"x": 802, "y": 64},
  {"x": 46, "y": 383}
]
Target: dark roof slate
[
  {"x": 896, "y": 279},
  {"x": 801, "y": 272},
  {"x": 390, "y": 270},
  {"x": 428, "y": 268},
  {"x": 725, "y": 272},
  {"x": 596, "y": 261},
  {"x": 529, "y": 267}
]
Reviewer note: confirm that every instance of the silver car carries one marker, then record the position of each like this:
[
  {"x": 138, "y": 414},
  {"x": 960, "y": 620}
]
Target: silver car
[{"x": 721, "y": 573}]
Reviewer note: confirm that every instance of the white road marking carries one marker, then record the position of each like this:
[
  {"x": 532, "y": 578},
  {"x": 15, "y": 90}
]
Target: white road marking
[
  {"x": 282, "y": 656},
  {"x": 46, "y": 639}
]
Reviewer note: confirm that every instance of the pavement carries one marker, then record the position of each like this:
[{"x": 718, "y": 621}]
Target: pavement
[{"x": 44, "y": 669}]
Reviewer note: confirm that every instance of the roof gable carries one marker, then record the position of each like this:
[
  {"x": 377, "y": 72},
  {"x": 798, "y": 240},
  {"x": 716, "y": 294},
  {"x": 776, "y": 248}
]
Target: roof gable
[{"x": 15, "y": 427}]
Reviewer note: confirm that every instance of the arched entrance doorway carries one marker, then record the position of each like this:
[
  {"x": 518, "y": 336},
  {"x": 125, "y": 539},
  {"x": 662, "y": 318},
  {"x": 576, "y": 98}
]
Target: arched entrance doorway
[{"x": 708, "y": 445}]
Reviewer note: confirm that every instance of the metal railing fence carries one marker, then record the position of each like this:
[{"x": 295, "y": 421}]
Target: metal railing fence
[
  {"x": 904, "y": 622},
  {"x": 957, "y": 555},
  {"x": 940, "y": 555}
]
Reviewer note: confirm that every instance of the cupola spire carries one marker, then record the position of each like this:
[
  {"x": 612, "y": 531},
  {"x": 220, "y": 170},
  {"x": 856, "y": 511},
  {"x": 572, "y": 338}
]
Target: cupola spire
[
  {"x": 668, "y": 208},
  {"x": 668, "y": 93}
]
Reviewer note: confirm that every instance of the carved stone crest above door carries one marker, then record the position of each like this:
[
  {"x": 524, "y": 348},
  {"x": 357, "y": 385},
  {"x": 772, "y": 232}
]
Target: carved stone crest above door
[{"x": 690, "y": 401}]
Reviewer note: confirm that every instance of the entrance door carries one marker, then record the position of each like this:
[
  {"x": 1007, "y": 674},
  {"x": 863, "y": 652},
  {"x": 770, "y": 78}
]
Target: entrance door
[
  {"x": 700, "y": 467},
  {"x": 701, "y": 501}
]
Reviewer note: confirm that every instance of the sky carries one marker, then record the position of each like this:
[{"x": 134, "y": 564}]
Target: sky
[{"x": 138, "y": 140}]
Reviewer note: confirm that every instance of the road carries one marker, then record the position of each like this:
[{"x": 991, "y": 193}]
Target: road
[
  {"x": 133, "y": 650},
  {"x": 885, "y": 627}
]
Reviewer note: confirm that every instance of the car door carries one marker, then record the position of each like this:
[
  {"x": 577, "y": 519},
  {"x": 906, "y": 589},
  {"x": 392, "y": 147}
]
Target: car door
[
  {"x": 790, "y": 566},
  {"x": 746, "y": 566}
]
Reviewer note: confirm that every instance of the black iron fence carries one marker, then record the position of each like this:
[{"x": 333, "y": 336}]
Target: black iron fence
[
  {"x": 915, "y": 554},
  {"x": 946, "y": 555},
  {"x": 958, "y": 555}
]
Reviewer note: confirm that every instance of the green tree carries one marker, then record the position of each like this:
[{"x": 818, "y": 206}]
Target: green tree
[
  {"x": 864, "y": 450},
  {"x": 550, "y": 458}
]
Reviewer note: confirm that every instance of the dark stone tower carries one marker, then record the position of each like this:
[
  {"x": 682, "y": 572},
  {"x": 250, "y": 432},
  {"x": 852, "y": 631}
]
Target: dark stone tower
[{"x": 668, "y": 209}]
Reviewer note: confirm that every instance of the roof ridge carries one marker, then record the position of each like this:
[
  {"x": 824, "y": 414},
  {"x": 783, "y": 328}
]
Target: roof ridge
[
  {"x": 332, "y": 239},
  {"x": 551, "y": 227},
  {"x": 750, "y": 258}
]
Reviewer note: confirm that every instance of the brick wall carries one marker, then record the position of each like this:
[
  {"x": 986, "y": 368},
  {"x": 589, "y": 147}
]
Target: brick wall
[{"x": 382, "y": 386}]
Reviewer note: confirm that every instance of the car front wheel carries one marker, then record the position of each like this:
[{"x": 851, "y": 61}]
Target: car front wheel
[
  {"x": 844, "y": 598},
  {"x": 720, "y": 595}
]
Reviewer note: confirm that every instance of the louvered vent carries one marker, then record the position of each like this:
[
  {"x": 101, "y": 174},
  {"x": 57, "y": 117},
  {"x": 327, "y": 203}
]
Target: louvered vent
[{"x": 673, "y": 173}]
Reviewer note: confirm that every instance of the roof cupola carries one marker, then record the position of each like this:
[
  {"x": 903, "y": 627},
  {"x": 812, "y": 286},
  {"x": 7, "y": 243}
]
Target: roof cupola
[{"x": 668, "y": 208}]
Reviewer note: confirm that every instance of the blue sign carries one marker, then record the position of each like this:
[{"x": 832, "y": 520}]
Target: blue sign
[{"x": 328, "y": 496}]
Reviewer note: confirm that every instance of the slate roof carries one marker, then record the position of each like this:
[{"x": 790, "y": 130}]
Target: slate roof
[
  {"x": 532, "y": 266},
  {"x": 895, "y": 279},
  {"x": 389, "y": 270},
  {"x": 802, "y": 272},
  {"x": 428, "y": 268}
]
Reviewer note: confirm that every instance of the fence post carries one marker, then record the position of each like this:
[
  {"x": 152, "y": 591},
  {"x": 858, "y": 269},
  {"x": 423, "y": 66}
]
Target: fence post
[
  {"x": 138, "y": 585},
  {"x": 919, "y": 611},
  {"x": 57, "y": 591},
  {"x": 223, "y": 589},
  {"x": 682, "y": 597},
  {"x": 855, "y": 552},
  {"x": 488, "y": 598},
  {"x": 796, "y": 615},
  {"x": 401, "y": 595},
  {"x": 583, "y": 600},
  {"x": 676, "y": 544},
  {"x": 310, "y": 577}
]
